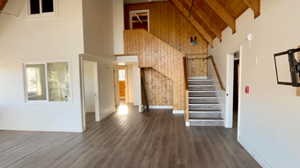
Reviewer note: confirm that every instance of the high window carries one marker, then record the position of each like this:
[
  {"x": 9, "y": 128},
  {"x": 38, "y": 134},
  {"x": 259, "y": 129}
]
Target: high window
[{"x": 37, "y": 7}]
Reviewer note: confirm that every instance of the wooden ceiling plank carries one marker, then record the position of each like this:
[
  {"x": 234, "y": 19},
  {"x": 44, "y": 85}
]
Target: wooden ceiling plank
[
  {"x": 178, "y": 5},
  {"x": 205, "y": 18},
  {"x": 254, "y": 5},
  {"x": 2, "y": 4},
  {"x": 222, "y": 13}
]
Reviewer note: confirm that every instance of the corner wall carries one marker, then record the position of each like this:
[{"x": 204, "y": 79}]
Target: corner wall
[
  {"x": 27, "y": 39},
  {"x": 118, "y": 15},
  {"x": 99, "y": 45},
  {"x": 269, "y": 116}
]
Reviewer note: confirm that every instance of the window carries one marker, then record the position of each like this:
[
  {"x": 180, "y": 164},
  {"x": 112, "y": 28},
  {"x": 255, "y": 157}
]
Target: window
[
  {"x": 41, "y": 6},
  {"x": 58, "y": 81},
  {"x": 47, "y": 82},
  {"x": 36, "y": 86},
  {"x": 122, "y": 75}
]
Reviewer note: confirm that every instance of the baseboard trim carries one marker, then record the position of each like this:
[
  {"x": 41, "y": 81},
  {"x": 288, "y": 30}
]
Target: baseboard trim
[
  {"x": 178, "y": 111},
  {"x": 161, "y": 107},
  {"x": 259, "y": 158}
]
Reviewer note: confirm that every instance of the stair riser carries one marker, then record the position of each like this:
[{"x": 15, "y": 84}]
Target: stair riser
[
  {"x": 206, "y": 106},
  {"x": 203, "y": 101},
  {"x": 202, "y": 88},
  {"x": 202, "y": 94},
  {"x": 204, "y": 82},
  {"x": 208, "y": 123},
  {"x": 205, "y": 115}
]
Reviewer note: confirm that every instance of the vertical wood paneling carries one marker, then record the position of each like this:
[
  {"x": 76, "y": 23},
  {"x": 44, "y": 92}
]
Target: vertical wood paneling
[
  {"x": 166, "y": 63},
  {"x": 170, "y": 25},
  {"x": 163, "y": 50}
]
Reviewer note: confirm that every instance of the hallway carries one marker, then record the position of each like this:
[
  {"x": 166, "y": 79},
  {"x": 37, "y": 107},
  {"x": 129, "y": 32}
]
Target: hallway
[{"x": 156, "y": 139}]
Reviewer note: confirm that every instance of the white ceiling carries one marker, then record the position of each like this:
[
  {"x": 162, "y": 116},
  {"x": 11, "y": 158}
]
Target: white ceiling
[{"x": 140, "y": 1}]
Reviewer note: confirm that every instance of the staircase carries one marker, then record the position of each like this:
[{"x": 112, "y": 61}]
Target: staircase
[{"x": 204, "y": 108}]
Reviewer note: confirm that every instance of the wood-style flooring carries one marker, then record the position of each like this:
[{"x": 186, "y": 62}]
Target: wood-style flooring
[{"x": 156, "y": 139}]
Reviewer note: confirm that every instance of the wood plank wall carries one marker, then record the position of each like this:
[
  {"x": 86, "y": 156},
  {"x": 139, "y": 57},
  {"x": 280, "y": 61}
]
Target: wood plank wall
[
  {"x": 170, "y": 26},
  {"x": 164, "y": 77}
]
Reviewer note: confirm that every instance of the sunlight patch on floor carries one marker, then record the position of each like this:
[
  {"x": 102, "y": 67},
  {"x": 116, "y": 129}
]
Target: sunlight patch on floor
[{"x": 122, "y": 109}]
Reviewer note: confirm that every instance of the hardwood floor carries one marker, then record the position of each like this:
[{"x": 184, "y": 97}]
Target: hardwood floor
[{"x": 157, "y": 139}]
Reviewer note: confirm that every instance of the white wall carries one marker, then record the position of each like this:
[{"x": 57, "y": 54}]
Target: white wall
[
  {"x": 270, "y": 114},
  {"x": 14, "y": 7},
  {"x": 129, "y": 84},
  {"x": 25, "y": 39},
  {"x": 133, "y": 84},
  {"x": 90, "y": 72},
  {"x": 98, "y": 44},
  {"x": 119, "y": 26}
]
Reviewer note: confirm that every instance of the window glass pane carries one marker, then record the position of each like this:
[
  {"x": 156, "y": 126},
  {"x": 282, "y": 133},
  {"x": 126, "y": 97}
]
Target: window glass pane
[
  {"x": 47, "y": 6},
  {"x": 34, "y": 7},
  {"x": 58, "y": 81},
  {"x": 122, "y": 75},
  {"x": 35, "y": 82}
]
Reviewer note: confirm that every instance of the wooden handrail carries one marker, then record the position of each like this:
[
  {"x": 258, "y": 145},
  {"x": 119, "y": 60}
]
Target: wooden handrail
[
  {"x": 216, "y": 70},
  {"x": 185, "y": 69},
  {"x": 186, "y": 83},
  {"x": 211, "y": 58}
]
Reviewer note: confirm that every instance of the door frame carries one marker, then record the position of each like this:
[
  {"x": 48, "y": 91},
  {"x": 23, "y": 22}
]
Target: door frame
[
  {"x": 84, "y": 58},
  {"x": 228, "y": 118},
  {"x": 133, "y": 60}
]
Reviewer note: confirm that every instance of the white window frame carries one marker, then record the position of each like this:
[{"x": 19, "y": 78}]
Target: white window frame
[
  {"x": 46, "y": 82},
  {"x": 41, "y": 14}
]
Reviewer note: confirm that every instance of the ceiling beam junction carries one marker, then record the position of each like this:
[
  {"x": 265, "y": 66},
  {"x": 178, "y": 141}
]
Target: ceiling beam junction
[
  {"x": 179, "y": 6},
  {"x": 222, "y": 13},
  {"x": 255, "y": 6}
]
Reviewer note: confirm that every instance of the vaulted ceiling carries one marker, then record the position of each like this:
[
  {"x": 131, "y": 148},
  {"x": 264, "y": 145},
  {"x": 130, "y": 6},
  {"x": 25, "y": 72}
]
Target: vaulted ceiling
[
  {"x": 211, "y": 17},
  {"x": 2, "y": 4}
]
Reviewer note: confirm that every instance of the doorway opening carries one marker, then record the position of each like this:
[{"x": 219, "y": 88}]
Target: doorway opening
[
  {"x": 127, "y": 82},
  {"x": 236, "y": 82},
  {"x": 122, "y": 83},
  {"x": 139, "y": 19},
  {"x": 90, "y": 93},
  {"x": 233, "y": 90}
]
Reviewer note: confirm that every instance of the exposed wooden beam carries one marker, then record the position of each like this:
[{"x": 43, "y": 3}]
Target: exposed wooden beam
[
  {"x": 178, "y": 5},
  {"x": 2, "y": 4},
  {"x": 222, "y": 13},
  {"x": 254, "y": 5},
  {"x": 205, "y": 18}
]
